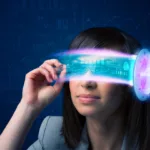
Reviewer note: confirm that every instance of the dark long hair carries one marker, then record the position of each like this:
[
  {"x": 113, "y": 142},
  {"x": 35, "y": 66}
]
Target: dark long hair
[{"x": 137, "y": 118}]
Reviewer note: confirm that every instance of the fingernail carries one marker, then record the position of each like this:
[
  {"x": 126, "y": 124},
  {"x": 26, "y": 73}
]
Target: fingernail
[
  {"x": 61, "y": 66},
  {"x": 64, "y": 66}
]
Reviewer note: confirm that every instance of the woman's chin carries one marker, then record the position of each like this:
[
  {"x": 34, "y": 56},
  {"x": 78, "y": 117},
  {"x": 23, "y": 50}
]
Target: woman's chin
[{"x": 87, "y": 111}]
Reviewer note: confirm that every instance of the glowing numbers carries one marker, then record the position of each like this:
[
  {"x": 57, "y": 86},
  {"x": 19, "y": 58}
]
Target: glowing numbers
[{"x": 126, "y": 66}]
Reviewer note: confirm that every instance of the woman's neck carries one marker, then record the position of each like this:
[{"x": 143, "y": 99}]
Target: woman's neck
[{"x": 107, "y": 133}]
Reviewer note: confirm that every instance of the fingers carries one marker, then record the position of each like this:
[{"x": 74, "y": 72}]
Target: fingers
[
  {"x": 48, "y": 70},
  {"x": 52, "y": 66},
  {"x": 53, "y": 62},
  {"x": 45, "y": 72},
  {"x": 39, "y": 74},
  {"x": 63, "y": 73},
  {"x": 59, "y": 83}
]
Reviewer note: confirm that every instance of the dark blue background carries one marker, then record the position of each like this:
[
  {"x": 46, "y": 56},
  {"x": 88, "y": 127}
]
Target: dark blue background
[{"x": 30, "y": 30}]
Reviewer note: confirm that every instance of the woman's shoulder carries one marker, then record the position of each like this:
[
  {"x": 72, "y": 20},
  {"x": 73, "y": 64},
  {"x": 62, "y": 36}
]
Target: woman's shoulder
[
  {"x": 50, "y": 124},
  {"x": 50, "y": 133},
  {"x": 50, "y": 136}
]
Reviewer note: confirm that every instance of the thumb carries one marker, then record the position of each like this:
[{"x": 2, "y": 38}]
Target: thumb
[{"x": 60, "y": 82}]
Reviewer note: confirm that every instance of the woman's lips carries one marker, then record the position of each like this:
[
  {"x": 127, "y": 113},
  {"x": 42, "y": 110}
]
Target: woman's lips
[
  {"x": 88, "y": 96},
  {"x": 88, "y": 99}
]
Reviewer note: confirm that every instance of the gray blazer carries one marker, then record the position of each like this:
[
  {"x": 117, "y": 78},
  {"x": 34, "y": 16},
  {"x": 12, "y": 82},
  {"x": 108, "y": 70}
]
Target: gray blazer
[{"x": 49, "y": 137}]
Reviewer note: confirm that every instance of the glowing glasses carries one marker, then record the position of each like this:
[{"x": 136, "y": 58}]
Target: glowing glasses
[{"x": 109, "y": 66}]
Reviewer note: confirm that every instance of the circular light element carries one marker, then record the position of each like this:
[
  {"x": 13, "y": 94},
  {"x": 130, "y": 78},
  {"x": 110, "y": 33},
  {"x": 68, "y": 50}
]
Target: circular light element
[{"x": 141, "y": 75}]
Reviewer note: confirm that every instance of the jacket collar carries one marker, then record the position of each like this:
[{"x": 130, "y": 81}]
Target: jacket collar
[{"x": 84, "y": 143}]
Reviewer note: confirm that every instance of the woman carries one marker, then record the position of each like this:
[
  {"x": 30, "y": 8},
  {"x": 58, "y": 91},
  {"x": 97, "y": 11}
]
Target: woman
[{"x": 115, "y": 121}]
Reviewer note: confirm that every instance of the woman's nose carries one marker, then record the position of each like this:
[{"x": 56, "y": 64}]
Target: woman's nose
[{"x": 89, "y": 84}]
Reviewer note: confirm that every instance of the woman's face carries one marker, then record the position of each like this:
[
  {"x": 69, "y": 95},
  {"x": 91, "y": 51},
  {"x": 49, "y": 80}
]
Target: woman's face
[{"x": 109, "y": 96}]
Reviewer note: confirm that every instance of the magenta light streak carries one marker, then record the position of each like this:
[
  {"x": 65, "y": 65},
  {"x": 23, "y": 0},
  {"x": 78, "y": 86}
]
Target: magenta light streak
[{"x": 100, "y": 52}]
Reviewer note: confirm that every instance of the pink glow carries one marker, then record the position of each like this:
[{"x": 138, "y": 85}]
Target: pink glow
[{"x": 100, "y": 52}]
